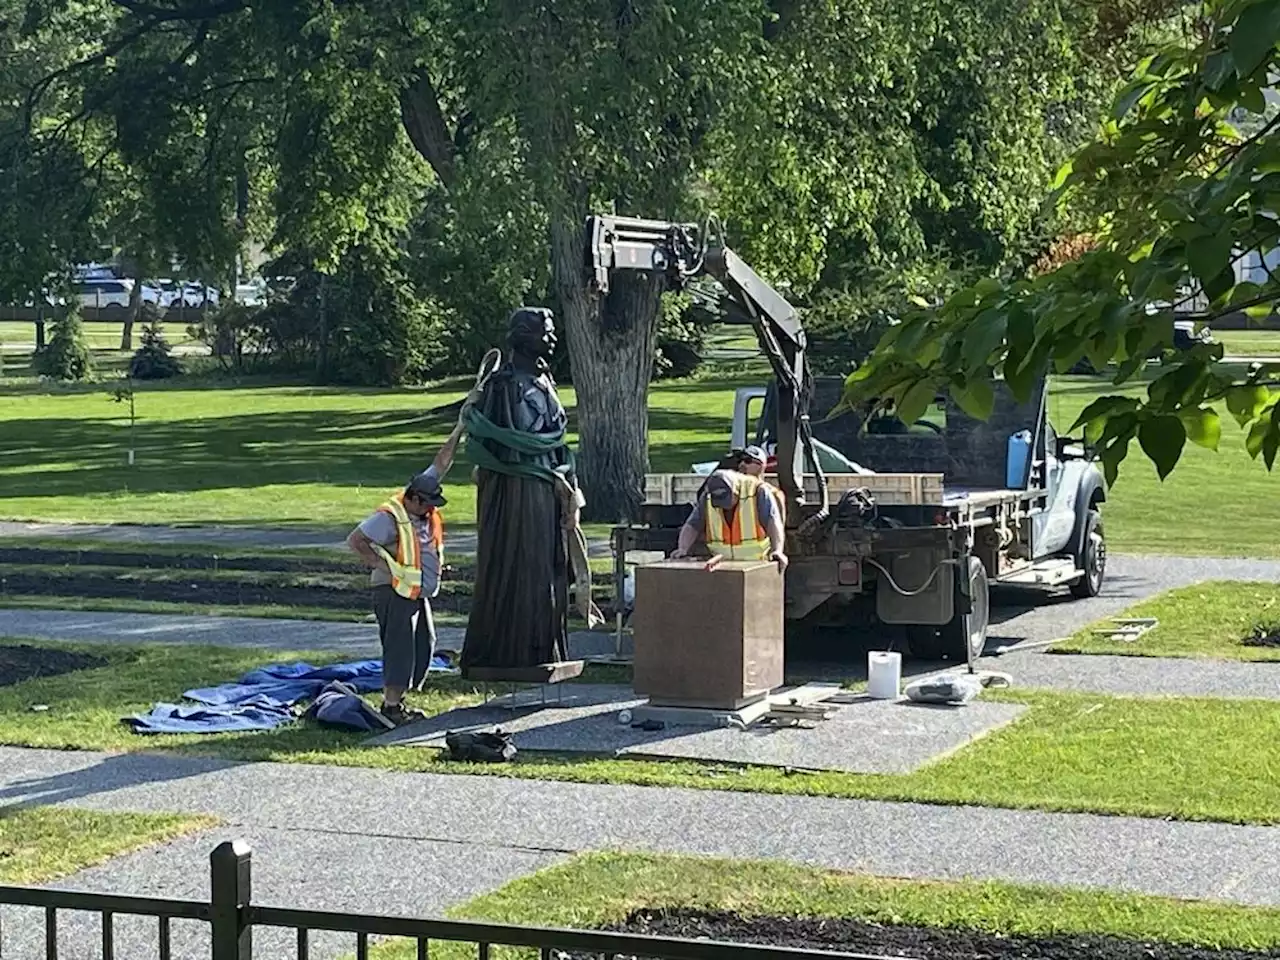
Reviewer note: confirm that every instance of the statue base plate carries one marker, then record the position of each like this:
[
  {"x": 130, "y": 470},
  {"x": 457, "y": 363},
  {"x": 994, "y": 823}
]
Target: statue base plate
[{"x": 538, "y": 673}]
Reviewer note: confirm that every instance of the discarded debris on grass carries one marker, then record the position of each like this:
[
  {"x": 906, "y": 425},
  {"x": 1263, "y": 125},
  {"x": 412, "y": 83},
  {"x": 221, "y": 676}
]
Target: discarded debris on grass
[{"x": 1263, "y": 635}]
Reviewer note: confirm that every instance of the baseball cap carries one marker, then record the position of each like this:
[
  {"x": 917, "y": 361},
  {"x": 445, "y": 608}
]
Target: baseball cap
[
  {"x": 756, "y": 454},
  {"x": 428, "y": 487}
]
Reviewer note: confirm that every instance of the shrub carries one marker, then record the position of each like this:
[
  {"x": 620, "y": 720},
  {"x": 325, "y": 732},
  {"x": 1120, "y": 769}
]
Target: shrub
[
  {"x": 67, "y": 355},
  {"x": 154, "y": 359}
]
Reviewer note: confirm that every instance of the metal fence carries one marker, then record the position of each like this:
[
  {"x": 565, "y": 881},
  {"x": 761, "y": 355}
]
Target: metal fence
[{"x": 232, "y": 917}]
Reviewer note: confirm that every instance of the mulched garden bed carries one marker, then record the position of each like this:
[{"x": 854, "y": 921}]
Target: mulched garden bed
[
  {"x": 168, "y": 561},
  {"x": 925, "y": 943},
  {"x": 36, "y": 556},
  {"x": 332, "y": 593},
  {"x": 19, "y": 662}
]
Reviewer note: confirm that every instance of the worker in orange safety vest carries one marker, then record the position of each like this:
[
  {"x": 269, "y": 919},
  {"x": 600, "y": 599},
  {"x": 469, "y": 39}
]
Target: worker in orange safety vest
[
  {"x": 737, "y": 518},
  {"x": 753, "y": 463},
  {"x": 402, "y": 543}
]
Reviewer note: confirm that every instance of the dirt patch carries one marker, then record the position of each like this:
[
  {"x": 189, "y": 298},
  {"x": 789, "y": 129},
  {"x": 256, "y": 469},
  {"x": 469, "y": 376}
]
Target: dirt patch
[
  {"x": 330, "y": 592},
  {"x": 194, "y": 591},
  {"x": 39, "y": 556},
  {"x": 19, "y": 662},
  {"x": 1263, "y": 635},
  {"x": 925, "y": 943}
]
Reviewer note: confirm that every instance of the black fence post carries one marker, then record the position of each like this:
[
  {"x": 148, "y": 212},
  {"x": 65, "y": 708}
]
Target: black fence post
[{"x": 231, "y": 874}]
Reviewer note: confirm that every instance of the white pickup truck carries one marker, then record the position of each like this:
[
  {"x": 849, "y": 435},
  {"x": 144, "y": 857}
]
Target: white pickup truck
[{"x": 924, "y": 517}]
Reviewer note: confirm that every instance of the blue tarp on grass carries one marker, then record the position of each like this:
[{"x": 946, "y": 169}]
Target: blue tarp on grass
[{"x": 262, "y": 699}]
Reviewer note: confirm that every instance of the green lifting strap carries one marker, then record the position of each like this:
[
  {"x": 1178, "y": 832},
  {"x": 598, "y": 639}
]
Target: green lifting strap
[{"x": 480, "y": 427}]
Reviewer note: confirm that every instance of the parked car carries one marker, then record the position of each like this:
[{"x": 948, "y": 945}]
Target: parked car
[
  {"x": 188, "y": 294},
  {"x": 253, "y": 293},
  {"x": 110, "y": 293}
]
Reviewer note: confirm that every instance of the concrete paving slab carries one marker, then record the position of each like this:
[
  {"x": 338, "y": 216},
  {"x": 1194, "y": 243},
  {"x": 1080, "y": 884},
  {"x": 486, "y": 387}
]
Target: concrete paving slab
[
  {"x": 867, "y": 736},
  {"x": 1141, "y": 676},
  {"x": 310, "y": 870},
  {"x": 518, "y": 817}
]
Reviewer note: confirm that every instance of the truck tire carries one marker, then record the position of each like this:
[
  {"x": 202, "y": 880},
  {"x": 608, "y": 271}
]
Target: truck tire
[
  {"x": 1092, "y": 558},
  {"x": 965, "y": 637}
]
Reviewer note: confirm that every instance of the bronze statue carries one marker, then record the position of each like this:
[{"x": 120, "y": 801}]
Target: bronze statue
[{"x": 527, "y": 501}]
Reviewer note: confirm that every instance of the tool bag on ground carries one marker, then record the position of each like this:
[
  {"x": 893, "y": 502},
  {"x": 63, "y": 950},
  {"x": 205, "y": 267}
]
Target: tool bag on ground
[{"x": 480, "y": 747}]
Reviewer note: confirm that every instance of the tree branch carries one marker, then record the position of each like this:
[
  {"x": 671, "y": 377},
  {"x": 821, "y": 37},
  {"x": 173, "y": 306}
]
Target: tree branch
[
  {"x": 169, "y": 14},
  {"x": 425, "y": 124},
  {"x": 156, "y": 16}
]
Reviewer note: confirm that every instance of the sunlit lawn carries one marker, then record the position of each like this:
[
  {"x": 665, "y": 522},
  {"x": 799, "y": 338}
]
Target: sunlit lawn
[
  {"x": 1249, "y": 343},
  {"x": 1200, "y": 759},
  {"x": 604, "y": 890},
  {"x": 290, "y": 454}
]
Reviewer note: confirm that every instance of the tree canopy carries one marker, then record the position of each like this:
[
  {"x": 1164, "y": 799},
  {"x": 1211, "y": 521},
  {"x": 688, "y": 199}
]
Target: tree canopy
[
  {"x": 1182, "y": 185},
  {"x": 435, "y": 160}
]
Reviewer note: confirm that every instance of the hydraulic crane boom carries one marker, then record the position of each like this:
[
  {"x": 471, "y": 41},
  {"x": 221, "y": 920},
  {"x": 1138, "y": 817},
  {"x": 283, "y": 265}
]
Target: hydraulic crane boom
[{"x": 681, "y": 252}]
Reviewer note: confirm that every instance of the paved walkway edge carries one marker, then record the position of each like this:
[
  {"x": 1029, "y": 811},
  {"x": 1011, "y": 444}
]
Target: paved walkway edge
[{"x": 1201, "y": 860}]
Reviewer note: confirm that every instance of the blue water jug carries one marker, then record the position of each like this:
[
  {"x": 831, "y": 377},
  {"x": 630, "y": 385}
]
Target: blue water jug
[{"x": 1015, "y": 471}]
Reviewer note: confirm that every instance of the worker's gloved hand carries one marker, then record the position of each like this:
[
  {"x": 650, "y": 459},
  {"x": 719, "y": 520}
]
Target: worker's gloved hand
[{"x": 780, "y": 559}]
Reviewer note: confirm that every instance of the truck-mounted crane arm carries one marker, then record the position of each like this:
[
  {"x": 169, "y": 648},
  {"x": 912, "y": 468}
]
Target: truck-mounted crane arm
[{"x": 681, "y": 252}]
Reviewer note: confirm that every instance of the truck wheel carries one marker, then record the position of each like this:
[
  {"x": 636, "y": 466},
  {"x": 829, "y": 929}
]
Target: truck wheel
[
  {"x": 1092, "y": 558},
  {"x": 965, "y": 636}
]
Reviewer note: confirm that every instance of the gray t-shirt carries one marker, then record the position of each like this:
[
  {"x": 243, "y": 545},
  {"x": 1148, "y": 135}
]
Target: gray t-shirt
[
  {"x": 381, "y": 529},
  {"x": 766, "y": 508}
]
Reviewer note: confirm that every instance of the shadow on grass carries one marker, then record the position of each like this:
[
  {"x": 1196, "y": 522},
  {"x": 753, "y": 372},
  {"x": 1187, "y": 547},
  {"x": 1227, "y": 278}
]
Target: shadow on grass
[{"x": 346, "y": 449}]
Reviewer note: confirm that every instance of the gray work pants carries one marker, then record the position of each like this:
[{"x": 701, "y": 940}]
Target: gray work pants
[{"x": 408, "y": 637}]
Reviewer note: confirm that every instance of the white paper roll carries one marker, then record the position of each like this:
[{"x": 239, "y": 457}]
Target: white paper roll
[{"x": 884, "y": 675}]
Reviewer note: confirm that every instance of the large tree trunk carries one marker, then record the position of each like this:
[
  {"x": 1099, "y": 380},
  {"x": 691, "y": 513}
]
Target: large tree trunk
[{"x": 610, "y": 345}]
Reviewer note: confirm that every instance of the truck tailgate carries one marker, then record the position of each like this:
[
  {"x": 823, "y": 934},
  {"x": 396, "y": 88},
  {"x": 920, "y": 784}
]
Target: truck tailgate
[{"x": 887, "y": 488}]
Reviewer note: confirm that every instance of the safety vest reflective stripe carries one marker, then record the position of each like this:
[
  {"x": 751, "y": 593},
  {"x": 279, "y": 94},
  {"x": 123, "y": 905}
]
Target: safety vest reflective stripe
[
  {"x": 744, "y": 538},
  {"x": 406, "y": 566}
]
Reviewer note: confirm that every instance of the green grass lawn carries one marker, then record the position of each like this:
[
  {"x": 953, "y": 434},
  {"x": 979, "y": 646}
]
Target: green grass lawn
[
  {"x": 602, "y": 890},
  {"x": 1249, "y": 343},
  {"x": 38, "y": 844},
  {"x": 1202, "y": 620},
  {"x": 215, "y": 452},
  {"x": 1183, "y": 758},
  {"x": 101, "y": 335}
]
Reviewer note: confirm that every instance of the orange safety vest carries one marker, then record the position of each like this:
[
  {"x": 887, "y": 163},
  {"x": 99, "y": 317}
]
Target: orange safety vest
[
  {"x": 743, "y": 538},
  {"x": 406, "y": 565}
]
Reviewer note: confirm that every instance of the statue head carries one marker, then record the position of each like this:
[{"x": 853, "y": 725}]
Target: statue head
[{"x": 532, "y": 331}]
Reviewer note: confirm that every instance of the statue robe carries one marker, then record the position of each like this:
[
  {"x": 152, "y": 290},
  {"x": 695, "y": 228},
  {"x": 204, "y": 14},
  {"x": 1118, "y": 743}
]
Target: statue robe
[{"x": 520, "y": 601}]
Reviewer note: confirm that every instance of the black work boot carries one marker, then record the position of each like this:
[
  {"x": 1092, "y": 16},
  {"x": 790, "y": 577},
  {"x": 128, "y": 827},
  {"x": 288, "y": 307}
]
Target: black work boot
[{"x": 399, "y": 714}]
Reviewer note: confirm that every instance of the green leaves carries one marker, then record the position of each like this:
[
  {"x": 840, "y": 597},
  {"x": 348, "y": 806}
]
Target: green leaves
[
  {"x": 1209, "y": 256},
  {"x": 1183, "y": 177},
  {"x": 1129, "y": 97},
  {"x": 1203, "y": 427},
  {"x": 983, "y": 336},
  {"x": 916, "y": 401},
  {"x": 1254, "y": 36},
  {"x": 1162, "y": 440},
  {"x": 1246, "y": 403},
  {"x": 976, "y": 398}
]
